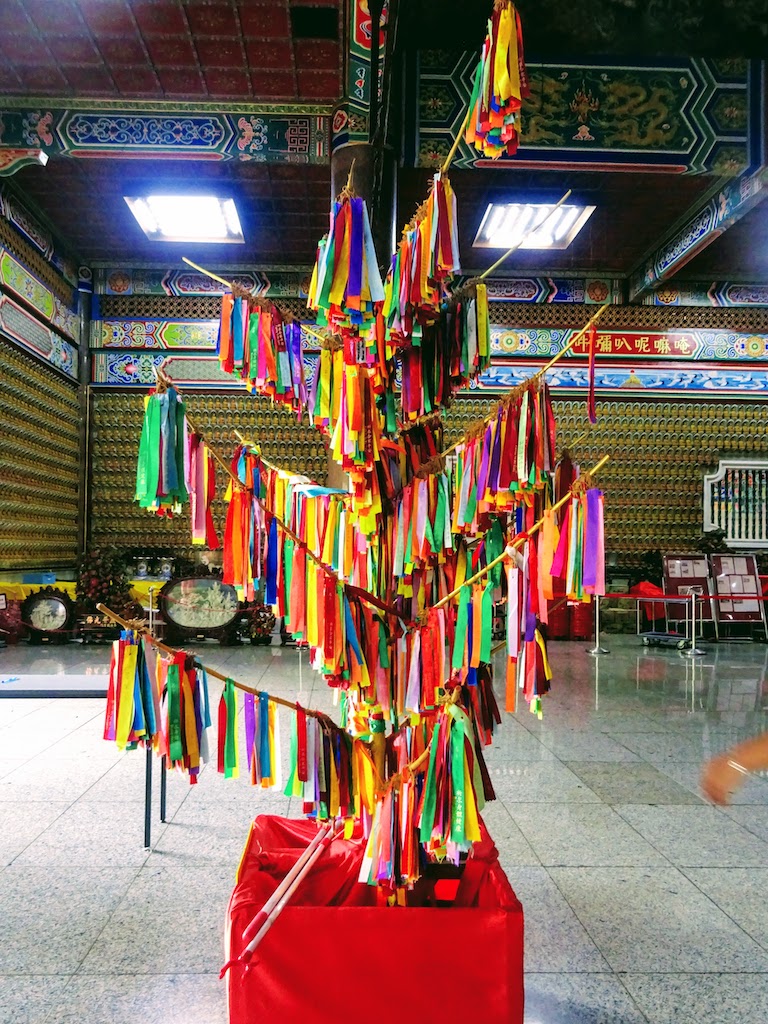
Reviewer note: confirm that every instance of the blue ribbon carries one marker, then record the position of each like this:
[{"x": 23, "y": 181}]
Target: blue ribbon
[
  {"x": 271, "y": 595},
  {"x": 265, "y": 763}
]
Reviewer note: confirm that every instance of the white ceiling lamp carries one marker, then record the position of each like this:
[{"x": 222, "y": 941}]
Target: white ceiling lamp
[
  {"x": 507, "y": 224},
  {"x": 181, "y": 218}
]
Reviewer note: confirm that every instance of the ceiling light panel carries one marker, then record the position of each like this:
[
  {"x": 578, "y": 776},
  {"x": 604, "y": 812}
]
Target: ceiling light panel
[
  {"x": 531, "y": 225},
  {"x": 182, "y": 218}
]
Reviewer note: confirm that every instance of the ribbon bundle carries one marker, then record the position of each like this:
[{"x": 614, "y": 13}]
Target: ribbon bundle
[
  {"x": 262, "y": 737},
  {"x": 324, "y": 768},
  {"x": 499, "y": 87},
  {"x": 202, "y": 491},
  {"x": 447, "y": 354},
  {"x": 166, "y": 708},
  {"x": 427, "y": 256},
  {"x": 259, "y": 346},
  {"x": 513, "y": 457},
  {"x": 579, "y": 556},
  {"x": 346, "y": 289},
  {"x": 161, "y": 472}
]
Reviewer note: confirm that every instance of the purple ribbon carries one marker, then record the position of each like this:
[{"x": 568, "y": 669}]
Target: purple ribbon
[
  {"x": 355, "y": 280},
  {"x": 493, "y": 475},
  {"x": 591, "y": 538},
  {"x": 250, "y": 726},
  {"x": 482, "y": 477}
]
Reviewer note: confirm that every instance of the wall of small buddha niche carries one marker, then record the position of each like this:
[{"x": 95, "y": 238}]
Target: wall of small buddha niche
[
  {"x": 39, "y": 457},
  {"x": 653, "y": 483},
  {"x": 116, "y": 520}
]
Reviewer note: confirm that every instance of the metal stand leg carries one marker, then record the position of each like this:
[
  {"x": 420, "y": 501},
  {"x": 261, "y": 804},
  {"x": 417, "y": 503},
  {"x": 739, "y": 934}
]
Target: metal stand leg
[
  {"x": 597, "y": 650},
  {"x": 148, "y": 798},
  {"x": 693, "y": 651},
  {"x": 163, "y": 789}
]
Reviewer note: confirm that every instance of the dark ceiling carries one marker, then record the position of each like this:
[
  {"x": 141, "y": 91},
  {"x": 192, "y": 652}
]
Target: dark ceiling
[
  {"x": 562, "y": 28},
  {"x": 177, "y": 49},
  {"x": 633, "y": 212},
  {"x": 283, "y": 208},
  {"x": 272, "y": 50}
]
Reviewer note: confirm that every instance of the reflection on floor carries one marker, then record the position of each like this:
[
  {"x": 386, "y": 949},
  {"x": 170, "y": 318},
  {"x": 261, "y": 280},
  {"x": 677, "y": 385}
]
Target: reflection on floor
[{"x": 641, "y": 902}]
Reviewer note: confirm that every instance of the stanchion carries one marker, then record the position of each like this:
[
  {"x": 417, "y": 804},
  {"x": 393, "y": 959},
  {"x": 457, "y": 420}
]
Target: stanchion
[
  {"x": 163, "y": 766},
  {"x": 148, "y": 756},
  {"x": 693, "y": 651},
  {"x": 597, "y": 650},
  {"x": 163, "y": 789},
  {"x": 148, "y": 798}
]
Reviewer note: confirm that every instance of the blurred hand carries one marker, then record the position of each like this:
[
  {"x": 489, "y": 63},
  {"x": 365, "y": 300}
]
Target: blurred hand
[{"x": 719, "y": 781}]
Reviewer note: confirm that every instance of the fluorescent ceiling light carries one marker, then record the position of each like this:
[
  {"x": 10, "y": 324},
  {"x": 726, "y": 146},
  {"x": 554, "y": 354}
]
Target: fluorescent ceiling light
[
  {"x": 186, "y": 218},
  {"x": 505, "y": 224}
]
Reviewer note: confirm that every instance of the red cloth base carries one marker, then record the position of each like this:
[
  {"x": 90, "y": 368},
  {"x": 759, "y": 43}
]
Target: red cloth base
[
  {"x": 582, "y": 620},
  {"x": 334, "y": 956},
  {"x": 652, "y": 611}
]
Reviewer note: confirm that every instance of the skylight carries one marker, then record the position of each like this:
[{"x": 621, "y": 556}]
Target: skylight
[
  {"x": 504, "y": 224},
  {"x": 166, "y": 218}
]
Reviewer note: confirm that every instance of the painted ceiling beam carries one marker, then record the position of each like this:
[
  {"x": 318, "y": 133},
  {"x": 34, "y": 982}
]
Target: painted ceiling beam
[
  {"x": 700, "y": 228},
  {"x": 36, "y": 129}
]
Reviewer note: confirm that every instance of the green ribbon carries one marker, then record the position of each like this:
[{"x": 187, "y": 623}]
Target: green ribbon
[
  {"x": 148, "y": 468},
  {"x": 486, "y": 635},
  {"x": 460, "y": 641},
  {"x": 173, "y": 690},
  {"x": 430, "y": 793},
  {"x": 458, "y": 803},
  {"x": 230, "y": 741}
]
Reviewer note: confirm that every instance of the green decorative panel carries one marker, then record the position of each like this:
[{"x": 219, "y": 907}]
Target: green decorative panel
[{"x": 692, "y": 115}]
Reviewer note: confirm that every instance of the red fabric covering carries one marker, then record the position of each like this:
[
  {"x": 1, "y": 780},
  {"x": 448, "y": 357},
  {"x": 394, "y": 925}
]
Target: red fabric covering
[
  {"x": 334, "y": 957},
  {"x": 645, "y": 589}
]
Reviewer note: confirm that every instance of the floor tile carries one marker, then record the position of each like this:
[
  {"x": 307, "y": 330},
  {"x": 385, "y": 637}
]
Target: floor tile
[
  {"x": 53, "y": 914},
  {"x": 43, "y": 778},
  {"x": 555, "y": 940},
  {"x": 586, "y": 745},
  {"x": 640, "y": 783},
  {"x": 753, "y": 819},
  {"x": 542, "y": 782},
  {"x": 22, "y": 822},
  {"x": 582, "y": 835},
  {"x": 512, "y": 845},
  {"x": 204, "y": 831},
  {"x": 696, "y": 836},
  {"x": 700, "y": 998},
  {"x": 652, "y": 920},
  {"x": 93, "y": 835},
  {"x": 10, "y": 764},
  {"x": 753, "y": 792},
  {"x": 741, "y": 892},
  {"x": 30, "y": 1000},
  {"x": 126, "y": 998},
  {"x": 656, "y": 747},
  {"x": 578, "y": 999},
  {"x": 191, "y": 901}
]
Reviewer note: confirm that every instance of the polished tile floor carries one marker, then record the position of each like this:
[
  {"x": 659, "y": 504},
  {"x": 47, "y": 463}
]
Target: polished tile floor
[{"x": 642, "y": 903}]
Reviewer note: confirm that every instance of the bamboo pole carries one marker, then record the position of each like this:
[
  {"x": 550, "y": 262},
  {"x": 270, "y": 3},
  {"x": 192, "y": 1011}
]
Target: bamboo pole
[
  {"x": 166, "y": 649},
  {"x": 228, "y": 284},
  {"x": 556, "y": 358},
  {"x": 456, "y": 142},
  {"x": 515, "y": 543},
  {"x": 237, "y": 482}
]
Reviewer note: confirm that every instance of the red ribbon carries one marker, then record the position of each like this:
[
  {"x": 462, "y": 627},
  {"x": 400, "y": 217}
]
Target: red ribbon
[{"x": 591, "y": 410}]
